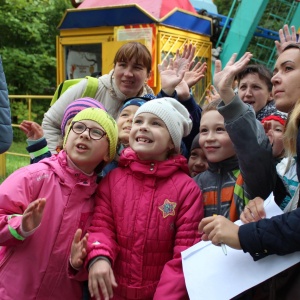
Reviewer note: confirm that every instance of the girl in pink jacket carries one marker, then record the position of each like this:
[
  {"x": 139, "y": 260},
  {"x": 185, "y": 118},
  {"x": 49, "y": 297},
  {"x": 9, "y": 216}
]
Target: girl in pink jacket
[
  {"x": 43, "y": 204},
  {"x": 146, "y": 212}
]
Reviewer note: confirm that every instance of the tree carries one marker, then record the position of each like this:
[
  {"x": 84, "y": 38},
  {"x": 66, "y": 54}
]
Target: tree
[{"x": 27, "y": 44}]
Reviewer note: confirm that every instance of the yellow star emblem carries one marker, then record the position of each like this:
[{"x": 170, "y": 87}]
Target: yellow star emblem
[{"x": 168, "y": 208}]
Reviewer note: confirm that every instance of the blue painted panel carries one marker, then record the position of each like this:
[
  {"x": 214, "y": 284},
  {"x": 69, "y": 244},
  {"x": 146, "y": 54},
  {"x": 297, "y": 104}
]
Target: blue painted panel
[
  {"x": 132, "y": 15},
  {"x": 188, "y": 22},
  {"x": 104, "y": 17}
]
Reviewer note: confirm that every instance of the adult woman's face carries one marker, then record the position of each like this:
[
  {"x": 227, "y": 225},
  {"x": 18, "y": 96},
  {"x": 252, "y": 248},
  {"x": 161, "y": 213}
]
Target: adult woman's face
[
  {"x": 286, "y": 80},
  {"x": 130, "y": 77},
  {"x": 254, "y": 91}
]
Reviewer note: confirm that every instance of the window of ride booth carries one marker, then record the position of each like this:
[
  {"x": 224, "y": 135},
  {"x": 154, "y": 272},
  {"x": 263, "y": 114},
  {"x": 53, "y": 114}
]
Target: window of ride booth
[{"x": 83, "y": 60}]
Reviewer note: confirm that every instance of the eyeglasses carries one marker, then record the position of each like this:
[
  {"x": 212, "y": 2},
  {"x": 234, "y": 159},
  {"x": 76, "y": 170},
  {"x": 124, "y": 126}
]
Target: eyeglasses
[{"x": 94, "y": 133}]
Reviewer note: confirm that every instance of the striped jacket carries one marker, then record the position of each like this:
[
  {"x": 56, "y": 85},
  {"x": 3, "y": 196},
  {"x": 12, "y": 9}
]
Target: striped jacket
[{"x": 223, "y": 189}]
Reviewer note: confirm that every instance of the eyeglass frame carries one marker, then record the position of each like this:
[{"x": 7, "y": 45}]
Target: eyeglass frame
[{"x": 89, "y": 128}]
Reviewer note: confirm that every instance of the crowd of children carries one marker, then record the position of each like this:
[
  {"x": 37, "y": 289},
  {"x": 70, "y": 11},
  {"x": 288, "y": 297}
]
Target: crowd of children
[{"x": 131, "y": 179}]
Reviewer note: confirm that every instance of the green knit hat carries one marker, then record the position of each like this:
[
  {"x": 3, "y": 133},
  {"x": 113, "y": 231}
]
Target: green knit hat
[{"x": 105, "y": 121}]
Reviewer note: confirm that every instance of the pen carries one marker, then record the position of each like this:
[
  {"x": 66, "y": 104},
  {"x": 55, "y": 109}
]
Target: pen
[
  {"x": 224, "y": 248},
  {"x": 222, "y": 244}
]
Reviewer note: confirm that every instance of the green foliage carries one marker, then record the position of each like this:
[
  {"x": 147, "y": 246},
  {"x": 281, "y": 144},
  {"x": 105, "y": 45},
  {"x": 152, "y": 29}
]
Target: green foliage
[
  {"x": 223, "y": 6},
  {"x": 27, "y": 44},
  {"x": 14, "y": 162}
]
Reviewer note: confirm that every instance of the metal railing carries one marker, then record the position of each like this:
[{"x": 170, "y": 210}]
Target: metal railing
[{"x": 28, "y": 98}]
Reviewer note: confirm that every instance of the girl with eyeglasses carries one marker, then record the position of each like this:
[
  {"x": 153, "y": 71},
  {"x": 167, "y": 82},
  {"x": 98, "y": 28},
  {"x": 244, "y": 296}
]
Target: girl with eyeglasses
[{"x": 43, "y": 205}]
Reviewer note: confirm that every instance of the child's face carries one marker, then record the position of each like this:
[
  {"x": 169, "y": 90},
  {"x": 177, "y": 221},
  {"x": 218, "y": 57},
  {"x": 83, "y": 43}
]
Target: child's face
[
  {"x": 254, "y": 91},
  {"x": 197, "y": 162},
  {"x": 286, "y": 83},
  {"x": 150, "y": 138},
  {"x": 85, "y": 152},
  {"x": 124, "y": 123},
  {"x": 274, "y": 131},
  {"x": 214, "y": 139}
]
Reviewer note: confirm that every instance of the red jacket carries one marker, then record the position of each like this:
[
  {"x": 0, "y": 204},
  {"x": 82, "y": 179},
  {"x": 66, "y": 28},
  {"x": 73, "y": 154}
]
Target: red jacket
[{"x": 146, "y": 214}]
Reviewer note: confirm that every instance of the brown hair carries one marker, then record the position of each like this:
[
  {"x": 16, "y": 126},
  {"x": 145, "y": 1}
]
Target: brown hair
[
  {"x": 263, "y": 73},
  {"x": 137, "y": 51},
  {"x": 211, "y": 106}
]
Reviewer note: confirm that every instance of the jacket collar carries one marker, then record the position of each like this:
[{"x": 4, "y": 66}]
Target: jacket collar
[
  {"x": 164, "y": 168},
  {"x": 63, "y": 171},
  {"x": 226, "y": 165}
]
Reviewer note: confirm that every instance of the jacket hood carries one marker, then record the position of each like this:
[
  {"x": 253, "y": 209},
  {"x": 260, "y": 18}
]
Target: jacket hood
[{"x": 157, "y": 168}]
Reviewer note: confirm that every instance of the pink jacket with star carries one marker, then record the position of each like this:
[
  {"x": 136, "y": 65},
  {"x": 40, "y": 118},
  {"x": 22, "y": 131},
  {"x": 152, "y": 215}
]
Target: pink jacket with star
[
  {"x": 146, "y": 213},
  {"x": 36, "y": 267}
]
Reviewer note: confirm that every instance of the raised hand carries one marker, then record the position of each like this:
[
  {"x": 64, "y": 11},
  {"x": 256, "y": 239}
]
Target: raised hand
[
  {"x": 191, "y": 77},
  {"x": 220, "y": 230},
  {"x": 101, "y": 275},
  {"x": 78, "y": 249},
  {"x": 286, "y": 37},
  {"x": 183, "y": 91},
  {"x": 223, "y": 79},
  {"x": 33, "y": 214},
  {"x": 211, "y": 94},
  {"x": 172, "y": 71},
  {"x": 32, "y": 130}
]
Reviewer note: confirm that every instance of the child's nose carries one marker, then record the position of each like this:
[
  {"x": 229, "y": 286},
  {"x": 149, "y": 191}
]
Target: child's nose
[
  {"x": 86, "y": 133},
  {"x": 144, "y": 127},
  {"x": 210, "y": 136}
]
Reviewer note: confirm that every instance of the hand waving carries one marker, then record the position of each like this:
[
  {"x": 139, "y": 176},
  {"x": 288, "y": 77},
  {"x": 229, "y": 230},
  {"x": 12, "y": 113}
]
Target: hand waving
[
  {"x": 33, "y": 214},
  {"x": 223, "y": 79},
  {"x": 78, "y": 249},
  {"x": 32, "y": 130},
  {"x": 195, "y": 74},
  {"x": 286, "y": 37},
  {"x": 172, "y": 72}
]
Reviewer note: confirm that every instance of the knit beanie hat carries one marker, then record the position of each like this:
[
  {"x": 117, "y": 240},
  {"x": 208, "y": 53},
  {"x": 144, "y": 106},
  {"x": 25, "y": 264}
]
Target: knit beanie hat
[
  {"x": 195, "y": 143},
  {"x": 175, "y": 116},
  {"x": 77, "y": 106},
  {"x": 133, "y": 101},
  {"x": 278, "y": 116},
  {"x": 105, "y": 120}
]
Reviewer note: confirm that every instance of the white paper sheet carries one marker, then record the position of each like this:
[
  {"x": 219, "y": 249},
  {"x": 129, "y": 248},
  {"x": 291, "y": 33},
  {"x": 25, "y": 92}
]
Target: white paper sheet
[{"x": 209, "y": 274}]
